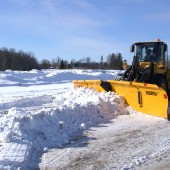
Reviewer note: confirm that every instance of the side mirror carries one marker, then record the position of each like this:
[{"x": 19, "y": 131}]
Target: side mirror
[
  {"x": 132, "y": 47},
  {"x": 165, "y": 47}
]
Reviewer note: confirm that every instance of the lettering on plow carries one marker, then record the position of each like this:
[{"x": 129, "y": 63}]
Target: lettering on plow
[{"x": 151, "y": 93}]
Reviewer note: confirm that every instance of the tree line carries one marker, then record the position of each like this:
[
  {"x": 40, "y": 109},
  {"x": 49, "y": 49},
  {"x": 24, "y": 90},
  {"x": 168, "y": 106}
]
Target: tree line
[
  {"x": 13, "y": 60},
  {"x": 20, "y": 60}
]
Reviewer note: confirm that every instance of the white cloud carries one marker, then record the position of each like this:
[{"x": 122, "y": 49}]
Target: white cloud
[
  {"x": 20, "y": 3},
  {"x": 49, "y": 17},
  {"x": 74, "y": 13},
  {"x": 66, "y": 13},
  {"x": 159, "y": 16}
]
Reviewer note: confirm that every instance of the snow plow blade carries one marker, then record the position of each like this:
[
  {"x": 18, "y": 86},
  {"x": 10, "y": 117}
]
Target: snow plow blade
[{"x": 146, "y": 98}]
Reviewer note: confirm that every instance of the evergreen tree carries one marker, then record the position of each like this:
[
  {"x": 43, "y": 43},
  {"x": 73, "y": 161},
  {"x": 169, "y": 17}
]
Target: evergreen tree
[
  {"x": 119, "y": 61},
  {"x": 62, "y": 66}
]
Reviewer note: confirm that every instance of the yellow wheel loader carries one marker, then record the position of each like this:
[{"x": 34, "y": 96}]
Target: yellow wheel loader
[{"x": 145, "y": 83}]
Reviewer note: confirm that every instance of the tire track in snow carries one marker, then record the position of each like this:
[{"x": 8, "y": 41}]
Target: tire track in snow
[
  {"x": 29, "y": 103},
  {"x": 50, "y": 163},
  {"x": 159, "y": 151}
]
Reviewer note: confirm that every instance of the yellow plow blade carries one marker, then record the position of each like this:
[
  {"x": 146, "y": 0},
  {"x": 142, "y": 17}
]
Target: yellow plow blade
[{"x": 146, "y": 98}]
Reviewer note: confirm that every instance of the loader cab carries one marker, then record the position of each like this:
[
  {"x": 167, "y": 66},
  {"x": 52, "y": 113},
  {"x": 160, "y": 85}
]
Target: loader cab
[{"x": 150, "y": 51}]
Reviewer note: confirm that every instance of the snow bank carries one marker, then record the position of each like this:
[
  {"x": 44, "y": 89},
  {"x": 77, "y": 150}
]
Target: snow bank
[
  {"x": 26, "y": 131},
  {"x": 40, "y": 77}
]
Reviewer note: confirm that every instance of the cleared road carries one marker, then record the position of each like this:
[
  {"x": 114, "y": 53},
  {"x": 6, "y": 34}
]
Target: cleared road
[{"x": 136, "y": 141}]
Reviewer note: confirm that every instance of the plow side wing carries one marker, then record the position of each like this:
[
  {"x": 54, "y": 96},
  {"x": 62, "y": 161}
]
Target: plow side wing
[
  {"x": 146, "y": 98},
  {"x": 95, "y": 84}
]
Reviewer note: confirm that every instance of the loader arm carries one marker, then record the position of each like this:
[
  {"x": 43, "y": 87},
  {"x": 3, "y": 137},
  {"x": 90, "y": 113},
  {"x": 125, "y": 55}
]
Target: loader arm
[
  {"x": 137, "y": 74},
  {"x": 130, "y": 74}
]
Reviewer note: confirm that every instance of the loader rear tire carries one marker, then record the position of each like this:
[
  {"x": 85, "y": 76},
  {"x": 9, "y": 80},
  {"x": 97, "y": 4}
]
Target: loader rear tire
[
  {"x": 168, "y": 117},
  {"x": 162, "y": 83}
]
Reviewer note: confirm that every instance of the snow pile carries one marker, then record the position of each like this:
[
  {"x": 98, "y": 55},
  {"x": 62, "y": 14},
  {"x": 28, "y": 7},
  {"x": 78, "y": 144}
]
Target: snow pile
[{"x": 70, "y": 113}]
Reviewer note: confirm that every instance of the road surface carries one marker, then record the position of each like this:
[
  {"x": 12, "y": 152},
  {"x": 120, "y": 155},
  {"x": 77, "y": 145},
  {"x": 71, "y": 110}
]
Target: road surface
[{"x": 127, "y": 142}]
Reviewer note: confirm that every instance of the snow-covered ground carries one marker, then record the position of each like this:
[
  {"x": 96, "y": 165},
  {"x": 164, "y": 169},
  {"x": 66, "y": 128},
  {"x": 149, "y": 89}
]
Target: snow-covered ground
[{"x": 41, "y": 115}]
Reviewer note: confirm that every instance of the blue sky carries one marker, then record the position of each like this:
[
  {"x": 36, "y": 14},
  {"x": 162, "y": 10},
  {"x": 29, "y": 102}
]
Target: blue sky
[{"x": 76, "y": 29}]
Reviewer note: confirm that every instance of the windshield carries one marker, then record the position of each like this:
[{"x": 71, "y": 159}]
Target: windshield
[{"x": 150, "y": 51}]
